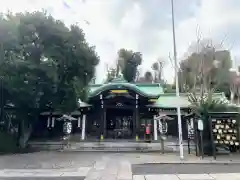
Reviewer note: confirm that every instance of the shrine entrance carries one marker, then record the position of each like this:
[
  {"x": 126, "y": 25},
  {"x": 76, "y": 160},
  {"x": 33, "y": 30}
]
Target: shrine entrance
[{"x": 119, "y": 123}]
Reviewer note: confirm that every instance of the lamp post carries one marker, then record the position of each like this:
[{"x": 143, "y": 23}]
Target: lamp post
[
  {"x": 177, "y": 84},
  {"x": 1, "y": 99}
]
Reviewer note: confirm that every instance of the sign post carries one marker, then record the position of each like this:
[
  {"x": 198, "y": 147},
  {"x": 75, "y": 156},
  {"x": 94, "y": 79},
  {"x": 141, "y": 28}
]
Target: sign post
[
  {"x": 163, "y": 128},
  {"x": 200, "y": 128},
  {"x": 67, "y": 129},
  {"x": 190, "y": 128}
]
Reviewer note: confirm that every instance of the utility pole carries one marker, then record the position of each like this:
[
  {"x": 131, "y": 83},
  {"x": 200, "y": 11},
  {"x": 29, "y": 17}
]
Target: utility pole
[{"x": 177, "y": 85}]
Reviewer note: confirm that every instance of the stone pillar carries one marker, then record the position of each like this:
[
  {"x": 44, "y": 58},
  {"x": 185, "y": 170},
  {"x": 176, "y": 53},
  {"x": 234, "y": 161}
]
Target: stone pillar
[
  {"x": 83, "y": 126},
  {"x": 137, "y": 123},
  {"x": 48, "y": 122},
  {"x": 53, "y": 122},
  {"x": 134, "y": 124},
  {"x": 104, "y": 123},
  {"x": 137, "y": 118},
  {"x": 79, "y": 122},
  {"x": 102, "y": 118},
  {"x": 155, "y": 128}
]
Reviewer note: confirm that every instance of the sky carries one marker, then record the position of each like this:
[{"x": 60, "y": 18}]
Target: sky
[{"x": 144, "y": 26}]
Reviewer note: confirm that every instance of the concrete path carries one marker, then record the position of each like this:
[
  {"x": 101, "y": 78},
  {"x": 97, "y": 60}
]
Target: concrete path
[
  {"x": 99, "y": 166},
  {"x": 80, "y": 172},
  {"x": 188, "y": 177},
  {"x": 111, "y": 173}
]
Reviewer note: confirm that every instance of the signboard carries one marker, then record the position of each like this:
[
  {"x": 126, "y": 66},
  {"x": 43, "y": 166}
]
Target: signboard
[
  {"x": 190, "y": 128},
  {"x": 67, "y": 127},
  {"x": 162, "y": 127},
  {"x": 119, "y": 91}
]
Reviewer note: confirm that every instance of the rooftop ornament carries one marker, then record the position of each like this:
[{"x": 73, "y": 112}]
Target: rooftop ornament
[{"x": 66, "y": 118}]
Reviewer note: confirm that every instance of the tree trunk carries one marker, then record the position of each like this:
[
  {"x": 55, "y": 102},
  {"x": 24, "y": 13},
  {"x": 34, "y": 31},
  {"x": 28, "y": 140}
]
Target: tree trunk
[{"x": 23, "y": 134}]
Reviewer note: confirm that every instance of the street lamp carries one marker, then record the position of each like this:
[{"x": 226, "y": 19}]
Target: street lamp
[
  {"x": 1, "y": 99},
  {"x": 177, "y": 84}
]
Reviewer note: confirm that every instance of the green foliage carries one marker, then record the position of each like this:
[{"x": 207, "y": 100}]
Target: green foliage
[
  {"x": 43, "y": 64},
  {"x": 168, "y": 88},
  {"x": 111, "y": 74},
  {"x": 202, "y": 105},
  {"x": 157, "y": 67},
  {"x": 128, "y": 63},
  {"x": 148, "y": 76},
  {"x": 43, "y": 61},
  {"x": 213, "y": 64}
]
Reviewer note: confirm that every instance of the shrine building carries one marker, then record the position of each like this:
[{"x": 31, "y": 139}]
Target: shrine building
[{"x": 121, "y": 110}]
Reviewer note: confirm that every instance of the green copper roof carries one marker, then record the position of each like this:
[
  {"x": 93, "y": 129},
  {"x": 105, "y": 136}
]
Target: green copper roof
[
  {"x": 151, "y": 90},
  {"x": 170, "y": 100}
]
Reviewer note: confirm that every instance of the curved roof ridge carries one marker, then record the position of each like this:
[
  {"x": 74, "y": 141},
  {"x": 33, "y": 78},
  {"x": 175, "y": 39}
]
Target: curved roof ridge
[{"x": 151, "y": 90}]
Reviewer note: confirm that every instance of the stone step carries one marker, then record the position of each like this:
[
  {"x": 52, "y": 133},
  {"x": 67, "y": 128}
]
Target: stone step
[
  {"x": 123, "y": 147},
  {"x": 110, "y": 146}
]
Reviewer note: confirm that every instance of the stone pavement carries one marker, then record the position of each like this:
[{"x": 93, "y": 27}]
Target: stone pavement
[
  {"x": 230, "y": 176},
  {"x": 80, "y": 172},
  {"x": 106, "y": 174},
  {"x": 98, "y": 166}
]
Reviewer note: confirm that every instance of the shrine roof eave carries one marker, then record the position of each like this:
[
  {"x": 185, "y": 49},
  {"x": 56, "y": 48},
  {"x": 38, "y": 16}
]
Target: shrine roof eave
[
  {"x": 77, "y": 112},
  {"x": 146, "y": 90},
  {"x": 48, "y": 113},
  {"x": 170, "y": 100},
  {"x": 224, "y": 113},
  {"x": 166, "y": 107}
]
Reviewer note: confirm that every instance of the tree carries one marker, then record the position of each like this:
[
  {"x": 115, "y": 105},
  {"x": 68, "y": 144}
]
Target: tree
[
  {"x": 168, "y": 88},
  {"x": 202, "y": 106},
  {"x": 43, "y": 64},
  {"x": 128, "y": 63},
  {"x": 207, "y": 68},
  {"x": 235, "y": 86},
  {"x": 157, "y": 67},
  {"x": 111, "y": 74},
  {"x": 148, "y": 77}
]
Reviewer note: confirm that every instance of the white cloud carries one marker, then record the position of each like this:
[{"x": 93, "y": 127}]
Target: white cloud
[{"x": 115, "y": 25}]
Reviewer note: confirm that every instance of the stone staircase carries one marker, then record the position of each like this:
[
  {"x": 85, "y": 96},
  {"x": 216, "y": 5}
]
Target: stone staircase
[
  {"x": 119, "y": 147},
  {"x": 113, "y": 146}
]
